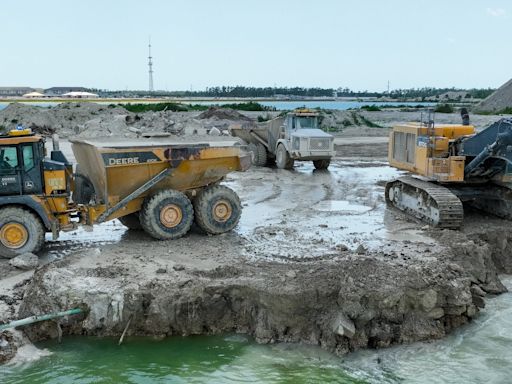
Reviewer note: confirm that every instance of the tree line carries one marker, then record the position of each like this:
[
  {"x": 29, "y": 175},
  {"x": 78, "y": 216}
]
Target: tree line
[{"x": 276, "y": 92}]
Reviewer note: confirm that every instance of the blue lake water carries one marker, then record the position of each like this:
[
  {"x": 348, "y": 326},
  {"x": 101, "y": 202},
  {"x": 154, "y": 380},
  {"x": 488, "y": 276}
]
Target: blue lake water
[{"x": 280, "y": 105}]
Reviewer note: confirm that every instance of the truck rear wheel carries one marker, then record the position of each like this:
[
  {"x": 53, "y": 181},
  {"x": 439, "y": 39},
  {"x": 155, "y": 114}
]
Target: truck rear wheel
[
  {"x": 217, "y": 209},
  {"x": 260, "y": 154},
  {"x": 20, "y": 232},
  {"x": 322, "y": 164},
  {"x": 131, "y": 221},
  {"x": 283, "y": 159},
  {"x": 167, "y": 215}
]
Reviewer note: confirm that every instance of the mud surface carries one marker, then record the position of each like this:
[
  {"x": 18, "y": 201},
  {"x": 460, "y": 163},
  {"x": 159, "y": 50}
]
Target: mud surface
[{"x": 316, "y": 258}]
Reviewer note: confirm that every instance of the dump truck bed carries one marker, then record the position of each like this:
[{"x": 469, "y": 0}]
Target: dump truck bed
[
  {"x": 117, "y": 167},
  {"x": 266, "y": 133},
  {"x": 248, "y": 134}
]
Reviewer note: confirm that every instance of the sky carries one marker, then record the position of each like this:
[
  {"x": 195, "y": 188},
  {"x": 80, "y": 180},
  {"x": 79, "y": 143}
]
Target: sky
[{"x": 359, "y": 44}]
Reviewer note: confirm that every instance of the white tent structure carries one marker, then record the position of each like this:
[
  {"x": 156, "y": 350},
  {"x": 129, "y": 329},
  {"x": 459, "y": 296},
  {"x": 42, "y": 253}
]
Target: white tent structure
[
  {"x": 33, "y": 95},
  {"x": 80, "y": 95}
]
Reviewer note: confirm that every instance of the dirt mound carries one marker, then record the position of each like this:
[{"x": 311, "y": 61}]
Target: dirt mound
[
  {"x": 223, "y": 114},
  {"x": 65, "y": 119},
  {"x": 88, "y": 120},
  {"x": 497, "y": 101}
]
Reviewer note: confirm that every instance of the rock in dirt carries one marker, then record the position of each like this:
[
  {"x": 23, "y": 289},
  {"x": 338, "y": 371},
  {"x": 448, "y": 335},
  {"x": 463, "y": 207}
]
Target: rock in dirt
[
  {"x": 360, "y": 250},
  {"x": 214, "y": 132},
  {"x": 344, "y": 326},
  {"x": 25, "y": 261},
  {"x": 291, "y": 274},
  {"x": 8, "y": 347}
]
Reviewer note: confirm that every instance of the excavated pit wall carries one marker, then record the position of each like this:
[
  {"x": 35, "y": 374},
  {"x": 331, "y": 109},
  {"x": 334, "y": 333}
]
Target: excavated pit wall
[{"x": 350, "y": 302}]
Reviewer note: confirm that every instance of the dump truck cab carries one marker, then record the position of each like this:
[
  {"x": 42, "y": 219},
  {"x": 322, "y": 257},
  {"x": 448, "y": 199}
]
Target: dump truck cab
[
  {"x": 34, "y": 188},
  {"x": 300, "y": 138},
  {"x": 21, "y": 165}
]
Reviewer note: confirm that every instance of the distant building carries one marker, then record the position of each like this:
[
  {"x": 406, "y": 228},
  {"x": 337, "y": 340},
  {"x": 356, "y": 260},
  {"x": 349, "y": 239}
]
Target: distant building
[
  {"x": 33, "y": 95},
  {"x": 15, "y": 91},
  {"x": 59, "y": 91},
  {"x": 80, "y": 95}
]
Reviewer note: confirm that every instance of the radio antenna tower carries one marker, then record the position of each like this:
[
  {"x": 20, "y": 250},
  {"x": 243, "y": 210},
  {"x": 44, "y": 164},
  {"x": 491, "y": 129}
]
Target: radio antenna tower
[{"x": 150, "y": 65}]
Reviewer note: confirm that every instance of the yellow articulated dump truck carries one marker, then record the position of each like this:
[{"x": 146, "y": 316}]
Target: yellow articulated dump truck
[{"x": 160, "y": 187}]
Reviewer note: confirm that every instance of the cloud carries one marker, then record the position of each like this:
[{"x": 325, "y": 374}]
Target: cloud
[{"x": 496, "y": 12}]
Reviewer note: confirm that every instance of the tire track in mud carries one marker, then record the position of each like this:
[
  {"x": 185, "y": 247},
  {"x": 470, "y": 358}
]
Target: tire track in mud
[{"x": 276, "y": 192}]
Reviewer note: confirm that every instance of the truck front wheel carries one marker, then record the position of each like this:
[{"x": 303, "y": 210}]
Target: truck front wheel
[
  {"x": 166, "y": 215},
  {"x": 20, "y": 232},
  {"x": 283, "y": 159},
  {"x": 217, "y": 209},
  {"x": 322, "y": 164}
]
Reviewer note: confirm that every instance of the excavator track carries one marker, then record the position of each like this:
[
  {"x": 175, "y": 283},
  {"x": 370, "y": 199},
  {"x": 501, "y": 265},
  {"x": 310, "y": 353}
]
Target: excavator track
[
  {"x": 490, "y": 198},
  {"x": 427, "y": 201}
]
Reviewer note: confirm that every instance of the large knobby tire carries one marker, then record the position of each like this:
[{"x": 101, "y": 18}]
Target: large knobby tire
[
  {"x": 262, "y": 155},
  {"x": 253, "y": 149},
  {"x": 283, "y": 159},
  {"x": 322, "y": 164},
  {"x": 259, "y": 157},
  {"x": 131, "y": 221},
  {"x": 20, "y": 232},
  {"x": 217, "y": 209},
  {"x": 167, "y": 215}
]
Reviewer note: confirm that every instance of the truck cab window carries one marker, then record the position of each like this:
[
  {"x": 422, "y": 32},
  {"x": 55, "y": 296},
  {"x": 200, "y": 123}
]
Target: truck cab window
[
  {"x": 306, "y": 122},
  {"x": 8, "y": 160},
  {"x": 28, "y": 157}
]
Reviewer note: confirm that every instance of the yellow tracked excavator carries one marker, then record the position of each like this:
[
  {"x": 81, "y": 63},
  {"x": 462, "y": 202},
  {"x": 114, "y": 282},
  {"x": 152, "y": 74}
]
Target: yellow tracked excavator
[{"x": 449, "y": 165}]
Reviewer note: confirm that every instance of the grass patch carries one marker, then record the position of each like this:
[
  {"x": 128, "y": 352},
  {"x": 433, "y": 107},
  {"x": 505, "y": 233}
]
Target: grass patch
[
  {"x": 262, "y": 118},
  {"x": 178, "y": 107},
  {"x": 355, "y": 118},
  {"x": 359, "y": 120},
  {"x": 444, "y": 108},
  {"x": 504, "y": 111},
  {"x": 369, "y": 123},
  {"x": 251, "y": 106},
  {"x": 371, "y": 108},
  {"x": 347, "y": 123},
  {"x": 154, "y": 107}
]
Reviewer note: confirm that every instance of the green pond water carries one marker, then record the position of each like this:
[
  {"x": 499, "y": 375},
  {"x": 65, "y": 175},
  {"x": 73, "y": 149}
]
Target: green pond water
[{"x": 480, "y": 352}]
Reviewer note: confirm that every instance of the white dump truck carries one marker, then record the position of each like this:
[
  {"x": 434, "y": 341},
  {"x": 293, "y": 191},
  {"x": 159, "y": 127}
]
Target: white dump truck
[{"x": 295, "y": 136}]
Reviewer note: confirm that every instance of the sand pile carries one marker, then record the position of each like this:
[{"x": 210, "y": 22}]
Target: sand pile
[
  {"x": 221, "y": 119},
  {"x": 497, "y": 101},
  {"x": 223, "y": 114}
]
